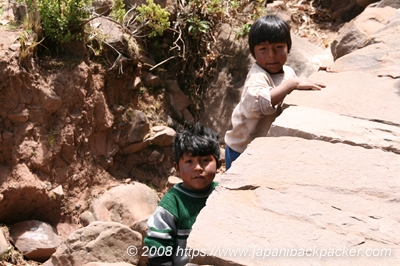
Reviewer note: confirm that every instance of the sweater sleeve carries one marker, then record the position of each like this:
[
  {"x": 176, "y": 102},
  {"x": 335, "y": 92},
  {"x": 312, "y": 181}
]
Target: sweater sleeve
[
  {"x": 162, "y": 229},
  {"x": 256, "y": 98}
]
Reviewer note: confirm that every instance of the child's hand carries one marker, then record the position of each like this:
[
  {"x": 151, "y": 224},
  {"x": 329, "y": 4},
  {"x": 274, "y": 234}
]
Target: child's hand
[
  {"x": 279, "y": 92},
  {"x": 307, "y": 84},
  {"x": 328, "y": 69}
]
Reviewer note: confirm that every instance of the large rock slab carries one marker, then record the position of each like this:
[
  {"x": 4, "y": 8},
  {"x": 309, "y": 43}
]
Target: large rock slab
[
  {"x": 291, "y": 201},
  {"x": 377, "y": 59},
  {"x": 353, "y": 94},
  {"x": 309, "y": 123}
]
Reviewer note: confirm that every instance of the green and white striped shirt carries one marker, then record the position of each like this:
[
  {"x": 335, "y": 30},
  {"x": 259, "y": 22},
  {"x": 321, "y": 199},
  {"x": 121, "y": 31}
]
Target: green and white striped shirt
[{"x": 171, "y": 223}]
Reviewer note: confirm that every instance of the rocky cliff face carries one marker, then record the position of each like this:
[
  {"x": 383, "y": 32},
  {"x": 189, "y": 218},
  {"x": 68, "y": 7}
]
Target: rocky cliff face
[{"x": 72, "y": 127}]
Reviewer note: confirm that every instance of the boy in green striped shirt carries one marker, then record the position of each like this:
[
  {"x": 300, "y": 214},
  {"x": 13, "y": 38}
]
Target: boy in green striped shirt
[{"x": 196, "y": 160}]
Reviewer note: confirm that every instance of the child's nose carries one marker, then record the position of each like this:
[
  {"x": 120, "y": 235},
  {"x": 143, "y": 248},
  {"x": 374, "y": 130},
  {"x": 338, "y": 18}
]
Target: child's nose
[
  {"x": 198, "y": 167},
  {"x": 270, "y": 53}
]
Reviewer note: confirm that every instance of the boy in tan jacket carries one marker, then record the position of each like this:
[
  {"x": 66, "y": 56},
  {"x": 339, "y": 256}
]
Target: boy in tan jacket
[{"x": 267, "y": 84}]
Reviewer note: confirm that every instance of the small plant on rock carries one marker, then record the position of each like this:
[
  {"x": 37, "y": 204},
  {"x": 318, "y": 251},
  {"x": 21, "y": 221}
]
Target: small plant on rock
[
  {"x": 118, "y": 11},
  {"x": 58, "y": 22},
  {"x": 63, "y": 21},
  {"x": 51, "y": 138},
  {"x": 197, "y": 26},
  {"x": 243, "y": 31},
  {"x": 148, "y": 20}
]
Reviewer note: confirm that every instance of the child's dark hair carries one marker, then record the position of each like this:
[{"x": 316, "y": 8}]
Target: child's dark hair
[
  {"x": 269, "y": 28},
  {"x": 199, "y": 141}
]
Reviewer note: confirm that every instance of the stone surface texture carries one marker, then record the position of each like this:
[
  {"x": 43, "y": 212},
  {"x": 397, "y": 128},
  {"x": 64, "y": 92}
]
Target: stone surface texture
[
  {"x": 323, "y": 187},
  {"x": 97, "y": 242},
  {"x": 291, "y": 194},
  {"x": 125, "y": 204}
]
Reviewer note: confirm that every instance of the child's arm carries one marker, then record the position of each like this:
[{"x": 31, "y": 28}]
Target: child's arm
[
  {"x": 279, "y": 92},
  {"x": 160, "y": 237}
]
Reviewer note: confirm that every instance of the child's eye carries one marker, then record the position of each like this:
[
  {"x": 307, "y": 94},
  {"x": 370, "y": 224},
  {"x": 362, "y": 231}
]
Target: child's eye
[{"x": 207, "y": 159}]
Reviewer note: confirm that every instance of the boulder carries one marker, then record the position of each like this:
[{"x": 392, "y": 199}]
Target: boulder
[
  {"x": 161, "y": 136},
  {"x": 306, "y": 58},
  {"x": 135, "y": 128},
  {"x": 37, "y": 155},
  {"x": 379, "y": 54},
  {"x": 86, "y": 218},
  {"x": 116, "y": 44},
  {"x": 36, "y": 240},
  {"x": 178, "y": 100},
  {"x": 51, "y": 102},
  {"x": 135, "y": 147},
  {"x": 105, "y": 242},
  {"x": 356, "y": 34},
  {"x": 152, "y": 80},
  {"x": 391, "y": 3},
  {"x": 103, "y": 7},
  {"x": 102, "y": 114},
  {"x": 125, "y": 204}
]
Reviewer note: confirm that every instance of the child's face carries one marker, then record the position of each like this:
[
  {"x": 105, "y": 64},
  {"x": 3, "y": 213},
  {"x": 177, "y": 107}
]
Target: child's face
[
  {"x": 197, "y": 172},
  {"x": 271, "y": 56}
]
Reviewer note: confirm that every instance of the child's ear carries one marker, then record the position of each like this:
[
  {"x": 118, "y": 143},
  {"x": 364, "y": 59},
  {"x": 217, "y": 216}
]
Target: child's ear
[{"x": 176, "y": 166}]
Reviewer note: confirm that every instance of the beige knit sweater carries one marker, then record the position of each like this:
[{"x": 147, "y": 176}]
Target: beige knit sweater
[{"x": 254, "y": 114}]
